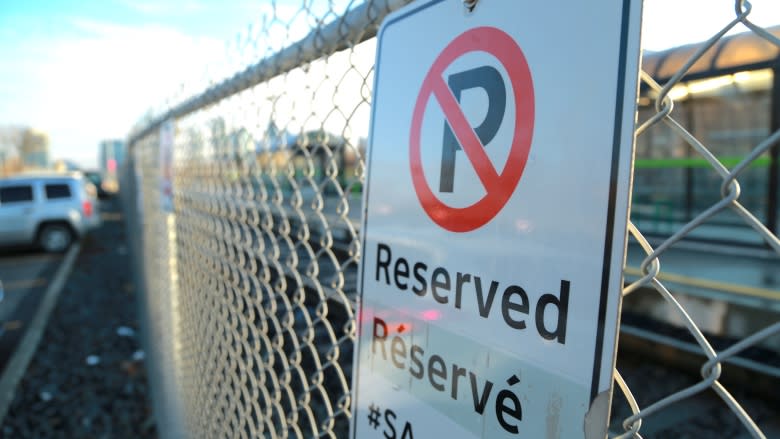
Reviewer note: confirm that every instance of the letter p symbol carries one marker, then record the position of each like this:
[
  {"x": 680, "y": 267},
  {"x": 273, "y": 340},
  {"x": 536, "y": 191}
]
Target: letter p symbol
[{"x": 490, "y": 80}]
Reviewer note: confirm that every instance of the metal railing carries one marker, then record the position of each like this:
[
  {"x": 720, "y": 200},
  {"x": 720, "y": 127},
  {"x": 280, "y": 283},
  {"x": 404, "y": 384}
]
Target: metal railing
[{"x": 249, "y": 266}]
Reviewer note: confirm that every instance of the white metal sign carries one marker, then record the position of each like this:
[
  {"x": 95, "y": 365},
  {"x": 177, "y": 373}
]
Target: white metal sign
[{"x": 495, "y": 219}]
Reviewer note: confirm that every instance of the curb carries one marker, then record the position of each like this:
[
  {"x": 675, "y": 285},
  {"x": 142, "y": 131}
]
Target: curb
[{"x": 28, "y": 344}]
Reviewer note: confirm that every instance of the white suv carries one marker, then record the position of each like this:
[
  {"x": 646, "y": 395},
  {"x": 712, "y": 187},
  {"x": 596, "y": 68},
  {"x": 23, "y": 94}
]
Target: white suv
[{"x": 48, "y": 210}]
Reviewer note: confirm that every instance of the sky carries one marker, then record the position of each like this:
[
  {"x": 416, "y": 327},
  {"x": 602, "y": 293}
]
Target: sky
[{"x": 87, "y": 70}]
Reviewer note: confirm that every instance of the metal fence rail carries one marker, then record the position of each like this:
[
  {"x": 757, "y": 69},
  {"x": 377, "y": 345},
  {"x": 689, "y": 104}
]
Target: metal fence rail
[{"x": 250, "y": 276}]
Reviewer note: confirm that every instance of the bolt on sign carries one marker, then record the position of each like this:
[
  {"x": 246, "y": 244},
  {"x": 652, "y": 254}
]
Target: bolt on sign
[{"x": 495, "y": 216}]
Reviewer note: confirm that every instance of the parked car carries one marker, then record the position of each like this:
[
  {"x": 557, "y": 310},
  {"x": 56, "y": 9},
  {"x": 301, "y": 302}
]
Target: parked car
[
  {"x": 97, "y": 179},
  {"x": 50, "y": 211}
]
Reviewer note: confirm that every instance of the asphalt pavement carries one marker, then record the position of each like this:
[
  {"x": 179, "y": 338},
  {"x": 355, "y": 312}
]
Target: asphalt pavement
[{"x": 25, "y": 274}]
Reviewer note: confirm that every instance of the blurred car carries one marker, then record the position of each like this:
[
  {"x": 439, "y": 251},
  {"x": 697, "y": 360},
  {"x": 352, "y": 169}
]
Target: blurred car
[
  {"x": 96, "y": 178},
  {"x": 50, "y": 211}
]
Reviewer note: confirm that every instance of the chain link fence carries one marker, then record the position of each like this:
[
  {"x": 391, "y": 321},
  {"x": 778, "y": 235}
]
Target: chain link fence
[{"x": 249, "y": 264}]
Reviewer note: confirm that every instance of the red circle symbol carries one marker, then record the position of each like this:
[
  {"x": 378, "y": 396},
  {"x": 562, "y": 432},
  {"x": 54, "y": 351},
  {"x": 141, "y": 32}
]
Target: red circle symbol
[{"x": 498, "y": 186}]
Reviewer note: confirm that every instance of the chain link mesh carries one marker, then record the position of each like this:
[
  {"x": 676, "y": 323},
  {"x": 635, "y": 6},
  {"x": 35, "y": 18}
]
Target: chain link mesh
[
  {"x": 250, "y": 280},
  {"x": 730, "y": 194}
]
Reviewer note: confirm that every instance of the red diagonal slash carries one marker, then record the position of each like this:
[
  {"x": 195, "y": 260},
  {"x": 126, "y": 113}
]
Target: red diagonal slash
[{"x": 466, "y": 136}]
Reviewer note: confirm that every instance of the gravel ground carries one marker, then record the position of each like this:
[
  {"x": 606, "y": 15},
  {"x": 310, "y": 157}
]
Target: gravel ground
[
  {"x": 704, "y": 415},
  {"x": 87, "y": 378}
]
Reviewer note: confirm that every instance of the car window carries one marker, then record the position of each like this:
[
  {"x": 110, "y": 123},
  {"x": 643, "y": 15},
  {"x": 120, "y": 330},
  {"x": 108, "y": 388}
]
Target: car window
[
  {"x": 16, "y": 194},
  {"x": 54, "y": 191},
  {"x": 93, "y": 178}
]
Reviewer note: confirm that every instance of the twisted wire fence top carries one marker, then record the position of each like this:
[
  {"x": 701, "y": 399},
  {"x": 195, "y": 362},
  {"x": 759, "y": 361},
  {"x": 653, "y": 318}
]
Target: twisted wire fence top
[{"x": 250, "y": 279}]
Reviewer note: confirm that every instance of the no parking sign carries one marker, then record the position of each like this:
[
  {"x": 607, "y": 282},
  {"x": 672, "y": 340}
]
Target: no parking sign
[
  {"x": 495, "y": 219},
  {"x": 499, "y": 186}
]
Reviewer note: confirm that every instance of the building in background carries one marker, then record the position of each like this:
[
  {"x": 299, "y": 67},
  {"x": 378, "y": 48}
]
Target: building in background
[
  {"x": 22, "y": 148},
  {"x": 730, "y": 103},
  {"x": 10, "y": 138},
  {"x": 111, "y": 157},
  {"x": 34, "y": 149}
]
